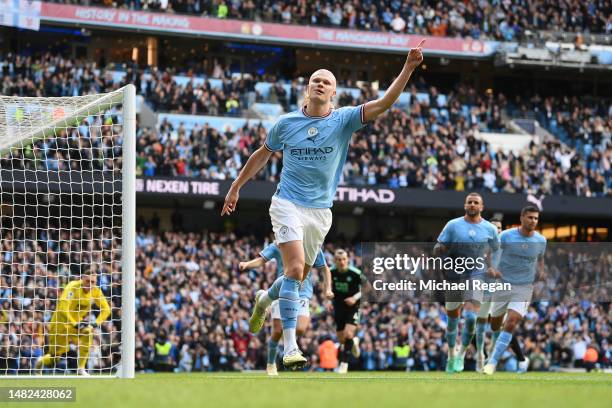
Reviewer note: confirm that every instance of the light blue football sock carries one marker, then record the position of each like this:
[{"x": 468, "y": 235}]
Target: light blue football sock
[
  {"x": 451, "y": 331},
  {"x": 468, "y": 328},
  {"x": 288, "y": 302},
  {"x": 500, "y": 346},
  {"x": 272, "y": 350}
]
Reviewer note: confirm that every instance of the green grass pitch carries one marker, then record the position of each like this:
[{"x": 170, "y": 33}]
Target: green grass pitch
[{"x": 358, "y": 389}]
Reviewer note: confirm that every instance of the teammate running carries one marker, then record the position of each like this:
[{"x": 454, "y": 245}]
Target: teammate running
[
  {"x": 314, "y": 142},
  {"x": 484, "y": 317},
  {"x": 467, "y": 237},
  {"x": 306, "y": 291},
  {"x": 522, "y": 253}
]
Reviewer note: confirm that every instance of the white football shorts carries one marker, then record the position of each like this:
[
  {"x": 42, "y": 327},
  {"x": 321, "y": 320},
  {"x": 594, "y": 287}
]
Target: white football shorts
[
  {"x": 304, "y": 309},
  {"x": 292, "y": 222},
  {"x": 518, "y": 299}
]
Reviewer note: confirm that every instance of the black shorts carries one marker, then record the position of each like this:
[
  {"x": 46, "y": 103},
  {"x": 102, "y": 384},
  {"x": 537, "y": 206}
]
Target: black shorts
[{"x": 345, "y": 314}]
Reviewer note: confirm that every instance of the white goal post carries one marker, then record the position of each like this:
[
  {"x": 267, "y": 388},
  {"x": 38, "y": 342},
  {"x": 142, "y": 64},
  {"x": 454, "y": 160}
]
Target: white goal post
[{"x": 68, "y": 235}]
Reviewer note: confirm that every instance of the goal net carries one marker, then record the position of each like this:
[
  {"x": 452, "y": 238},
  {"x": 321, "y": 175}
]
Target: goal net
[{"x": 67, "y": 235}]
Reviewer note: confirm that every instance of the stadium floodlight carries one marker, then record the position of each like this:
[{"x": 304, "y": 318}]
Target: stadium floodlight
[{"x": 67, "y": 234}]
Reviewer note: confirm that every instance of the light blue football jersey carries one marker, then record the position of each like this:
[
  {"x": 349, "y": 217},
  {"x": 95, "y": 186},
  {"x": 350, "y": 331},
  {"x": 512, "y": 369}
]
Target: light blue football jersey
[
  {"x": 519, "y": 256},
  {"x": 468, "y": 240},
  {"x": 306, "y": 289},
  {"x": 314, "y": 151}
]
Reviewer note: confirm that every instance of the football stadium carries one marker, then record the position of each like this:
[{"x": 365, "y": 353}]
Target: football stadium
[{"x": 306, "y": 203}]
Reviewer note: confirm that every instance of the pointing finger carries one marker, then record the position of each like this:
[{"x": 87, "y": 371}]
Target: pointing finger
[
  {"x": 421, "y": 43},
  {"x": 226, "y": 209}
]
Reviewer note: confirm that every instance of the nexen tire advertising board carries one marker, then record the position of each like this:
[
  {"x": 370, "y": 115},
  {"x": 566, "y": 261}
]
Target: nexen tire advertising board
[{"x": 49, "y": 182}]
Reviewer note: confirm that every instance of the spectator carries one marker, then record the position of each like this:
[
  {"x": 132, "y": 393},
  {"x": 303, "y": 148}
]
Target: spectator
[
  {"x": 163, "y": 360},
  {"x": 222, "y": 10},
  {"x": 401, "y": 352},
  {"x": 328, "y": 355},
  {"x": 398, "y": 24},
  {"x": 186, "y": 359},
  {"x": 590, "y": 358}
]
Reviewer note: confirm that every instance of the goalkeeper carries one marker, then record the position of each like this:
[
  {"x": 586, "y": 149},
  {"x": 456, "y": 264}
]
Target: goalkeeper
[{"x": 70, "y": 322}]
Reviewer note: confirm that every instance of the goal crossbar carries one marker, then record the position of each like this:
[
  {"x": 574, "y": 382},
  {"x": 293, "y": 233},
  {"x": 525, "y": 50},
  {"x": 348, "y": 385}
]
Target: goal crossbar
[{"x": 11, "y": 135}]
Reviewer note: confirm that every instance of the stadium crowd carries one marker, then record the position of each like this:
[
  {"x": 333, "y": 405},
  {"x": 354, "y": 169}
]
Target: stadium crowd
[
  {"x": 399, "y": 150},
  {"x": 501, "y": 20},
  {"x": 584, "y": 124},
  {"x": 431, "y": 144}
]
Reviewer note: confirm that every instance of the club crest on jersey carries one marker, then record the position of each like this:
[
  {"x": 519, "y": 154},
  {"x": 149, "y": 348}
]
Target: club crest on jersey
[
  {"x": 283, "y": 230},
  {"x": 472, "y": 233},
  {"x": 312, "y": 133}
]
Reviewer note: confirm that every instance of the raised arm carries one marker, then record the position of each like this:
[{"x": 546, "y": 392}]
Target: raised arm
[
  {"x": 252, "y": 167},
  {"x": 253, "y": 263},
  {"x": 327, "y": 282},
  {"x": 372, "y": 109}
]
